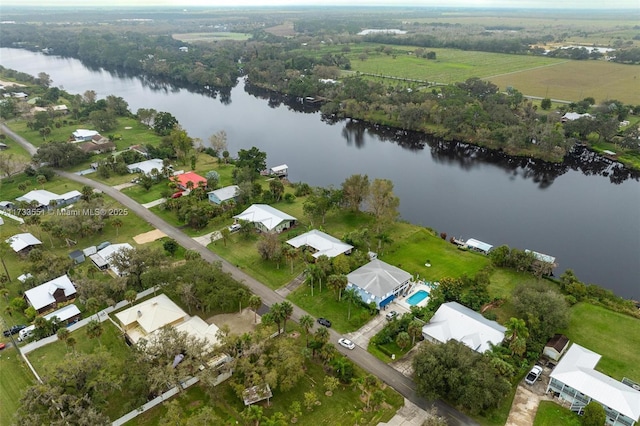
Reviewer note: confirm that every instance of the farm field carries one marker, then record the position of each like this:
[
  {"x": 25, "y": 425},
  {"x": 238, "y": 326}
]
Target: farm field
[
  {"x": 576, "y": 80},
  {"x": 214, "y": 36},
  {"x": 450, "y": 65}
]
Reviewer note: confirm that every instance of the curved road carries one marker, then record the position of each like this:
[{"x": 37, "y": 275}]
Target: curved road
[{"x": 364, "y": 359}]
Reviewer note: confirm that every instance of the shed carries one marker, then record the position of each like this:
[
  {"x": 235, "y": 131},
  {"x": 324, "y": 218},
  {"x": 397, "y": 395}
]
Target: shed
[
  {"x": 281, "y": 170},
  {"x": 77, "y": 256},
  {"x": 556, "y": 347},
  {"x": 478, "y": 245},
  {"x": 256, "y": 394}
]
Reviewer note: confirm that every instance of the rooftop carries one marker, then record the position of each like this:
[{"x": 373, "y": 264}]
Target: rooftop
[
  {"x": 21, "y": 241},
  {"x": 455, "y": 321},
  {"x": 42, "y": 295},
  {"x": 268, "y": 216},
  {"x": 149, "y": 316},
  {"x": 324, "y": 244},
  {"x": 378, "y": 277}
]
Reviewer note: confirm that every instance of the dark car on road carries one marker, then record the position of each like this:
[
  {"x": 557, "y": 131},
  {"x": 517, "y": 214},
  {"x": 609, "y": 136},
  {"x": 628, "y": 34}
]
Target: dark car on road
[
  {"x": 13, "y": 330},
  {"x": 324, "y": 321}
]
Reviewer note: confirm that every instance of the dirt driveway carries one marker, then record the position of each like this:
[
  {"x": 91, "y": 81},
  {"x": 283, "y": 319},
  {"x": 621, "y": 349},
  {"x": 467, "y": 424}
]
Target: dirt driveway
[
  {"x": 239, "y": 323},
  {"x": 525, "y": 403},
  {"x": 148, "y": 237}
]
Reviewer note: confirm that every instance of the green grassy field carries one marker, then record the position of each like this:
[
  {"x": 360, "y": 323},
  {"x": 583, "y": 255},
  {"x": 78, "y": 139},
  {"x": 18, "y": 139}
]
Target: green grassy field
[
  {"x": 15, "y": 377},
  {"x": 576, "y": 80},
  {"x": 551, "y": 414},
  {"x": 210, "y": 37},
  {"x": 614, "y": 336}
]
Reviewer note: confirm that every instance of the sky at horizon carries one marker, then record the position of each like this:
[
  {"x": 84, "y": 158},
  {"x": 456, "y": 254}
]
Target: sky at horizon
[{"x": 511, "y": 4}]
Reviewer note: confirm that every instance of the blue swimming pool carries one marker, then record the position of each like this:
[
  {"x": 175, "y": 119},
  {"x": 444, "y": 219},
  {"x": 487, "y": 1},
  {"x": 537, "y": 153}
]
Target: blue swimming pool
[{"x": 417, "y": 297}]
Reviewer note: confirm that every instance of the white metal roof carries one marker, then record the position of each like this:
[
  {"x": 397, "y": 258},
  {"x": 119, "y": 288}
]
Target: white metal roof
[
  {"x": 226, "y": 193},
  {"x": 44, "y": 197},
  {"x": 378, "y": 278},
  {"x": 542, "y": 257},
  {"x": 146, "y": 166},
  {"x": 198, "y": 328},
  {"x": 574, "y": 116},
  {"x": 42, "y": 295},
  {"x": 269, "y": 217},
  {"x": 103, "y": 257},
  {"x": 477, "y": 244},
  {"x": 576, "y": 369},
  {"x": 84, "y": 133},
  {"x": 151, "y": 314},
  {"x": 21, "y": 241},
  {"x": 324, "y": 244},
  {"x": 455, "y": 321},
  {"x": 64, "y": 314},
  {"x": 280, "y": 168}
]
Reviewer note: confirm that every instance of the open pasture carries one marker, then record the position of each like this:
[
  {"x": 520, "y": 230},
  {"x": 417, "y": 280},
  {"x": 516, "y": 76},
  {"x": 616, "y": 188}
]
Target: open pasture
[
  {"x": 576, "y": 80},
  {"x": 215, "y": 36},
  {"x": 450, "y": 65}
]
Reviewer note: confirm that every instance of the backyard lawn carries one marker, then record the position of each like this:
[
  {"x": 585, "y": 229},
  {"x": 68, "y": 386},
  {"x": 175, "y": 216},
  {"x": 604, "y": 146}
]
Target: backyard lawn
[
  {"x": 613, "y": 335},
  {"x": 551, "y": 414},
  {"x": 15, "y": 377}
]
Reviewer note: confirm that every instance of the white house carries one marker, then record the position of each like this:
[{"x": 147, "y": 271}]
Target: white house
[
  {"x": 266, "y": 219},
  {"x": 47, "y": 296},
  {"x": 83, "y": 135},
  {"x": 575, "y": 380},
  {"x": 379, "y": 282},
  {"x": 102, "y": 257},
  {"x": 571, "y": 116},
  {"x": 145, "y": 167},
  {"x": 22, "y": 243},
  {"x": 146, "y": 317},
  {"x": 198, "y": 328},
  {"x": 455, "y": 321},
  {"x": 321, "y": 244},
  {"x": 46, "y": 199},
  {"x": 222, "y": 195}
]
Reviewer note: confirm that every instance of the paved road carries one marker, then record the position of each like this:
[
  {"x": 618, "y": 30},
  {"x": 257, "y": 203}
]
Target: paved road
[{"x": 364, "y": 359}]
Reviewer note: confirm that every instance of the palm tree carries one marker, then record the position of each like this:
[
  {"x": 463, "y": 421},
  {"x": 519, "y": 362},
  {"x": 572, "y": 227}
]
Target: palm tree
[
  {"x": 324, "y": 267},
  {"x": 415, "y": 329},
  {"x": 351, "y": 295},
  {"x": 94, "y": 330},
  {"x": 402, "y": 339},
  {"x": 92, "y": 305},
  {"x": 311, "y": 272},
  {"x": 253, "y": 413},
  {"x": 71, "y": 342},
  {"x": 63, "y": 334},
  {"x": 290, "y": 253},
  {"x": 287, "y": 311},
  {"x": 517, "y": 334},
  {"x": 254, "y": 303},
  {"x": 306, "y": 322},
  {"x": 117, "y": 223}
]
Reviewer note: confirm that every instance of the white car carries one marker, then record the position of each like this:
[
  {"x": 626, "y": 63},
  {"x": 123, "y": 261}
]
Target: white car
[
  {"x": 235, "y": 227},
  {"x": 346, "y": 343},
  {"x": 533, "y": 375}
]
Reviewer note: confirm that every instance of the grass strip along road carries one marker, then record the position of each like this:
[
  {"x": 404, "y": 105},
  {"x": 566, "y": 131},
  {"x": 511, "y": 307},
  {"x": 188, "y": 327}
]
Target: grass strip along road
[{"x": 361, "y": 357}]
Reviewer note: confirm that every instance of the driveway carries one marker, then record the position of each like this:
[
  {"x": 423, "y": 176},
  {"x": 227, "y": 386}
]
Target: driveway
[{"x": 526, "y": 401}]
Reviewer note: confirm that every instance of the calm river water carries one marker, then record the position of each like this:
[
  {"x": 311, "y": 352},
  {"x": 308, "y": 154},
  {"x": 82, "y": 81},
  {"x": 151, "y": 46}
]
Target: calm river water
[{"x": 586, "y": 213}]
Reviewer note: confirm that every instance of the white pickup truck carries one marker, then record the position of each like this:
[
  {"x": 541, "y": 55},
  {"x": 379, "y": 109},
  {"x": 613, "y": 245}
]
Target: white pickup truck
[{"x": 533, "y": 375}]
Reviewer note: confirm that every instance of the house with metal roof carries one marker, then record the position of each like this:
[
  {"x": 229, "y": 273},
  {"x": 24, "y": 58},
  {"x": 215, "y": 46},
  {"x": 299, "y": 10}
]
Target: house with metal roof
[
  {"x": 266, "y": 218},
  {"x": 321, "y": 244},
  {"x": 379, "y": 282},
  {"x": 182, "y": 180},
  {"x": 83, "y": 135},
  {"x": 102, "y": 258},
  {"x": 198, "y": 328},
  {"x": 146, "y": 317},
  {"x": 222, "y": 195},
  {"x": 47, "y": 199},
  {"x": 47, "y": 296},
  {"x": 455, "y": 321},
  {"x": 576, "y": 381},
  {"x": 66, "y": 315},
  {"x": 146, "y": 167},
  {"x": 23, "y": 243}
]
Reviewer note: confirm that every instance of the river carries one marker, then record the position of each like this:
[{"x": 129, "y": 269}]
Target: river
[{"x": 585, "y": 212}]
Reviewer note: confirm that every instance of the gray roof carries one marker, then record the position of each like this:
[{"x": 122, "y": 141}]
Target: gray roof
[
  {"x": 226, "y": 193},
  {"x": 268, "y": 216},
  {"x": 378, "y": 278}
]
